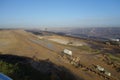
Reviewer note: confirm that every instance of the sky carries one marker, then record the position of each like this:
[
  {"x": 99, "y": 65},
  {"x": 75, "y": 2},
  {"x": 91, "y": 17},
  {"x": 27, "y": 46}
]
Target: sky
[{"x": 59, "y": 13}]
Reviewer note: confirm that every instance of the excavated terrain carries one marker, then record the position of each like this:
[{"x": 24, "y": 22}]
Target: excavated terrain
[{"x": 82, "y": 63}]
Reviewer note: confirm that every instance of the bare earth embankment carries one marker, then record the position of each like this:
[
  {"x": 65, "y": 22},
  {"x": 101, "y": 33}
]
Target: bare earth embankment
[{"x": 22, "y": 43}]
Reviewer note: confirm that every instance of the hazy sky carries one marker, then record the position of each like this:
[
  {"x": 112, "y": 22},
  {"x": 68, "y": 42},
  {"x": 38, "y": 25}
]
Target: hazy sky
[{"x": 59, "y": 13}]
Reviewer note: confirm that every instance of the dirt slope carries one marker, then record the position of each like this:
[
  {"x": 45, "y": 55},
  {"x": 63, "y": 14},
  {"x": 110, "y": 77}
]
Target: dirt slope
[{"x": 22, "y": 43}]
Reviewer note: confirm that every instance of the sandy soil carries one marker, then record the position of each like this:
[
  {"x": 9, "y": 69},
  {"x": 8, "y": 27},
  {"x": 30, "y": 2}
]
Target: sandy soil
[
  {"x": 64, "y": 40},
  {"x": 22, "y": 43}
]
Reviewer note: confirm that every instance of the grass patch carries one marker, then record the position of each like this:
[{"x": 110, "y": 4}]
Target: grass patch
[
  {"x": 21, "y": 71},
  {"x": 114, "y": 58},
  {"x": 85, "y": 48},
  {"x": 96, "y": 51}
]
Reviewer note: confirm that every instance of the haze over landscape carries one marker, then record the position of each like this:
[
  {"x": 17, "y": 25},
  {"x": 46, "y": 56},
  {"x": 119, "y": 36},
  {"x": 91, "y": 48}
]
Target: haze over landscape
[
  {"x": 59, "y": 39},
  {"x": 59, "y": 13}
]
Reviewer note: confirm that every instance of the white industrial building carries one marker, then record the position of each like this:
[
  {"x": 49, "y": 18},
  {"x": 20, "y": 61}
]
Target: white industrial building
[
  {"x": 103, "y": 70},
  {"x": 117, "y": 40},
  {"x": 68, "y": 52},
  {"x": 100, "y": 68}
]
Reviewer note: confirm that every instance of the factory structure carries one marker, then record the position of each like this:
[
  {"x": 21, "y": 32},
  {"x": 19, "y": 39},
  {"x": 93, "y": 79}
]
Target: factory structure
[{"x": 68, "y": 52}]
